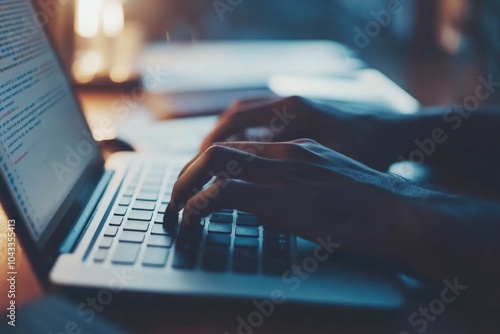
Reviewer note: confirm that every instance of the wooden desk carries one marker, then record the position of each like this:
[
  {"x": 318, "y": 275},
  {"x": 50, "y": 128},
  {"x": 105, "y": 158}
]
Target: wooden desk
[{"x": 220, "y": 318}]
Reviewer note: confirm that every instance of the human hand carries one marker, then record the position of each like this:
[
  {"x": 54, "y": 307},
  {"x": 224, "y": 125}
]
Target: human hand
[
  {"x": 367, "y": 138},
  {"x": 299, "y": 187}
]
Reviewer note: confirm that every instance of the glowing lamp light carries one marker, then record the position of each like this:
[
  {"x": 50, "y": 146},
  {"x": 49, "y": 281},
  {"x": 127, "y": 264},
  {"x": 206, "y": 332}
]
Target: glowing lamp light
[
  {"x": 87, "y": 66},
  {"x": 113, "y": 18},
  {"x": 106, "y": 44},
  {"x": 87, "y": 20}
]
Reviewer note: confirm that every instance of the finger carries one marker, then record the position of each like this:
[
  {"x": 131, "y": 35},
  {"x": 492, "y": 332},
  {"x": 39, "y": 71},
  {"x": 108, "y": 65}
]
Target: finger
[
  {"x": 276, "y": 154},
  {"x": 236, "y": 194},
  {"x": 225, "y": 163},
  {"x": 271, "y": 151},
  {"x": 237, "y": 122},
  {"x": 246, "y": 104},
  {"x": 251, "y": 150},
  {"x": 305, "y": 150},
  {"x": 252, "y": 102}
]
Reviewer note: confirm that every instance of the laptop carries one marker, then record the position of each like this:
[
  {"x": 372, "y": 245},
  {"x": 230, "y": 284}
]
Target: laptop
[{"x": 86, "y": 223}]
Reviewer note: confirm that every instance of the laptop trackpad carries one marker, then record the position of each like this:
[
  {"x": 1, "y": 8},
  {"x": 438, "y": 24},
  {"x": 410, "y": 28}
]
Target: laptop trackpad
[{"x": 322, "y": 271}]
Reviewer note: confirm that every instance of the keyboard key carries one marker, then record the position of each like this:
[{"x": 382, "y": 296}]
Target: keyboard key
[
  {"x": 221, "y": 217},
  {"x": 148, "y": 196},
  {"x": 155, "y": 257},
  {"x": 276, "y": 256},
  {"x": 161, "y": 230},
  {"x": 166, "y": 198},
  {"x": 154, "y": 177},
  {"x": 144, "y": 205},
  {"x": 100, "y": 255},
  {"x": 116, "y": 221},
  {"x": 132, "y": 236},
  {"x": 215, "y": 258},
  {"x": 160, "y": 241},
  {"x": 230, "y": 211},
  {"x": 129, "y": 192},
  {"x": 191, "y": 231},
  {"x": 273, "y": 234},
  {"x": 220, "y": 228},
  {"x": 247, "y": 231},
  {"x": 158, "y": 167},
  {"x": 125, "y": 201},
  {"x": 126, "y": 253},
  {"x": 111, "y": 231},
  {"x": 121, "y": 211},
  {"x": 218, "y": 239},
  {"x": 156, "y": 174},
  {"x": 246, "y": 242},
  {"x": 132, "y": 225},
  {"x": 184, "y": 260},
  {"x": 153, "y": 186},
  {"x": 247, "y": 221},
  {"x": 186, "y": 254},
  {"x": 162, "y": 207},
  {"x": 171, "y": 218},
  {"x": 106, "y": 242},
  {"x": 134, "y": 182},
  {"x": 140, "y": 215},
  {"x": 276, "y": 245},
  {"x": 159, "y": 218},
  {"x": 246, "y": 260}
]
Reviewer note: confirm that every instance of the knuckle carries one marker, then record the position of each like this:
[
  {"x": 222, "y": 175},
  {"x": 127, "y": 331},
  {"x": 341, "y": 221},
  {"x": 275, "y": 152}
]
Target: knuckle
[
  {"x": 189, "y": 203},
  {"x": 292, "y": 149},
  {"x": 223, "y": 183},
  {"x": 303, "y": 149},
  {"x": 237, "y": 104},
  {"x": 231, "y": 119},
  {"x": 294, "y": 99},
  {"x": 302, "y": 141},
  {"x": 215, "y": 151},
  {"x": 226, "y": 185}
]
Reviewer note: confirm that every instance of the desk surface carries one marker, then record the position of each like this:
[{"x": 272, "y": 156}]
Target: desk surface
[{"x": 220, "y": 318}]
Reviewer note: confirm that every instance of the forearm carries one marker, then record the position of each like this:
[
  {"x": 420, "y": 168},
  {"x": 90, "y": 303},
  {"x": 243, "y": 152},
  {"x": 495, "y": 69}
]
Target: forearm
[
  {"x": 455, "y": 237},
  {"x": 452, "y": 137}
]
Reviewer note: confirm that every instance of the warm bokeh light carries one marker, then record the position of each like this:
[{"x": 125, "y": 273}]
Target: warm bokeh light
[
  {"x": 113, "y": 18},
  {"x": 119, "y": 73},
  {"x": 87, "y": 66},
  {"x": 87, "y": 17},
  {"x": 451, "y": 24}
]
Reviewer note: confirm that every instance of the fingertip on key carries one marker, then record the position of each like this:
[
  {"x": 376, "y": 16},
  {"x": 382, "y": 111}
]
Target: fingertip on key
[{"x": 170, "y": 218}]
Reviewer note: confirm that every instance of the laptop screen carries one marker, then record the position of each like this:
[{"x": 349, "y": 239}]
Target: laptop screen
[{"x": 45, "y": 144}]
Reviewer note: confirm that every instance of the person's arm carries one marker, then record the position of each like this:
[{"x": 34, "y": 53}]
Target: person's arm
[
  {"x": 452, "y": 138},
  {"x": 455, "y": 238},
  {"x": 448, "y": 137},
  {"x": 304, "y": 188}
]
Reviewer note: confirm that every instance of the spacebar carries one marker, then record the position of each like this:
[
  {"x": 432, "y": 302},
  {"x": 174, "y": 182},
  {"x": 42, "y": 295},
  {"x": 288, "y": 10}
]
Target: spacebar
[{"x": 126, "y": 253}]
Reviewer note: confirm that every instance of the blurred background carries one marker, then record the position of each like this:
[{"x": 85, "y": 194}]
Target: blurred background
[{"x": 434, "y": 49}]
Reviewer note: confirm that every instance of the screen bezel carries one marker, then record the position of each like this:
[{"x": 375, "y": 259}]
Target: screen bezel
[{"x": 43, "y": 252}]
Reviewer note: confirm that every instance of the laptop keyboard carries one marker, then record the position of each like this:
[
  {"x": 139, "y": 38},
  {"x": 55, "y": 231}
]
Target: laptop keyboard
[{"x": 227, "y": 240}]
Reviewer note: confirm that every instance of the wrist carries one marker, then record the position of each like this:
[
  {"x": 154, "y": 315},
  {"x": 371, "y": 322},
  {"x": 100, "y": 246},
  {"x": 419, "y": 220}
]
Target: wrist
[{"x": 419, "y": 225}]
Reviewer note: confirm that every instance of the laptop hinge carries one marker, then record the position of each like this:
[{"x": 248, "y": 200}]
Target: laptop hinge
[{"x": 86, "y": 216}]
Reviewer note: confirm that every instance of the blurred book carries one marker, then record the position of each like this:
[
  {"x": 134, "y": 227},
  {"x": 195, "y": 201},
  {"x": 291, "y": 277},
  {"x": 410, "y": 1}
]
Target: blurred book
[
  {"x": 183, "y": 79},
  {"x": 167, "y": 105},
  {"x": 364, "y": 90}
]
